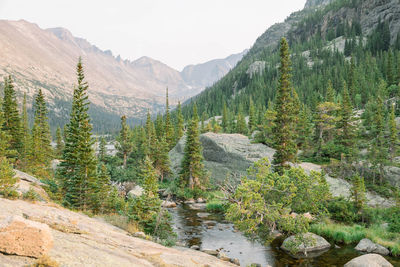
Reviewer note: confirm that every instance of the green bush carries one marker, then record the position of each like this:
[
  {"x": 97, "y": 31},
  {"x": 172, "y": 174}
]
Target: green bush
[
  {"x": 216, "y": 206},
  {"x": 30, "y": 195},
  {"x": 342, "y": 210}
]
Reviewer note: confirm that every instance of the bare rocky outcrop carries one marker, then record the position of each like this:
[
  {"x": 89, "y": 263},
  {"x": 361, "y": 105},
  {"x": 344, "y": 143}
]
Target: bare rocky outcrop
[
  {"x": 224, "y": 154},
  {"x": 369, "y": 260},
  {"x": 22, "y": 237},
  {"x": 257, "y": 67},
  {"x": 79, "y": 240},
  {"x": 366, "y": 245}
]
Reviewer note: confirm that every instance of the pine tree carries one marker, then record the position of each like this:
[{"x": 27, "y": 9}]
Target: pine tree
[
  {"x": 346, "y": 137},
  {"x": 12, "y": 121},
  {"x": 180, "y": 123},
  {"x": 352, "y": 82},
  {"x": 149, "y": 177},
  {"x": 393, "y": 141},
  {"x": 358, "y": 192},
  {"x": 7, "y": 179},
  {"x": 378, "y": 151},
  {"x": 169, "y": 130},
  {"x": 304, "y": 130},
  {"x": 192, "y": 173},
  {"x": 25, "y": 131},
  {"x": 41, "y": 150},
  {"x": 330, "y": 93},
  {"x": 103, "y": 190},
  {"x": 102, "y": 149},
  {"x": 78, "y": 170},
  {"x": 389, "y": 69},
  {"x": 159, "y": 126},
  {"x": 241, "y": 126},
  {"x": 252, "y": 117},
  {"x": 124, "y": 145},
  {"x": 161, "y": 159},
  {"x": 225, "y": 119},
  {"x": 285, "y": 143}
]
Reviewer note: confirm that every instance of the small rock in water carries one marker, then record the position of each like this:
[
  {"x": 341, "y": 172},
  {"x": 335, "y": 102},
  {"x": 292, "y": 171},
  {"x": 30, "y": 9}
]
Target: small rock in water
[
  {"x": 255, "y": 265},
  {"x": 189, "y": 201},
  {"x": 366, "y": 245},
  {"x": 336, "y": 246},
  {"x": 222, "y": 256},
  {"x": 200, "y": 200},
  {"x": 369, "y": 260},
  {"x": 195, "y": 247},
  {"x": 235, "y": 261},
  {"x": 168, "y": 204},
  {"x": 203, "y": 214},
  {"x": 210, "y": 252}
]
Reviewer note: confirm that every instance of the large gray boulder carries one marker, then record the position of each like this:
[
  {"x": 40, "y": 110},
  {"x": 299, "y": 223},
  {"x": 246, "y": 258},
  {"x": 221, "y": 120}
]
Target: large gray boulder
[
  {"x": 369, "y": 260},
  {"x": 312, "y": 243},
  {"x": 392, "y": 175},
  {"x": 366, "y": 245},
  {"x": 224, "y": 154}
]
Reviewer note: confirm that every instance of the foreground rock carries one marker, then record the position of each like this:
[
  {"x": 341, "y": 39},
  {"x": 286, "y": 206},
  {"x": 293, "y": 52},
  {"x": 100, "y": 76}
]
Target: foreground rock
[
  {"x": 366, "y": 245},
  {"x": 22, "y": 237},
  {"x": 96, "y": 243},
  {"x": 369, "y": 260},
  {"x": 224, "y": 154},
  {"x": 313, "y": 243}
]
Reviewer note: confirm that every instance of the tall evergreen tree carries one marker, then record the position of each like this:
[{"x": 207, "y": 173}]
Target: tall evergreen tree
[
  {"x": 102, "y": 149},
  {"x": 25, "y": 131},
  {"x": 180, "y": 123},
  {"x": 252, "y": 117},
  {"x": 192, "y": 173},
  {"x": 124, "y": 145},
  {"x": 330, "y": 93},
  {"x": 169, "y": 130},
  {"x": 12, "y": 120},
  {"x": 78, "y": 169},
  {"x": 225, "y": 119},
  {"x": 41, "y": 150},
  {"x": 393, "y": 141},
  {"x": 241, "y": 126},
  {"x": 346, "y": 137},
  {"x": 285, "y": 143}
]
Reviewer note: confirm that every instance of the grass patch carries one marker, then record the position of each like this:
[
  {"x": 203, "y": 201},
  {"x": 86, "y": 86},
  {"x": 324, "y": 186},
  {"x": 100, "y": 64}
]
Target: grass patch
[
  {"x": 45, "y": 261},
  {"x": 31, "y": 195},
  {"x": 347, "y": 234},
  {"x": 216, "y": 206},
  {"x": 122, "y": 222}
]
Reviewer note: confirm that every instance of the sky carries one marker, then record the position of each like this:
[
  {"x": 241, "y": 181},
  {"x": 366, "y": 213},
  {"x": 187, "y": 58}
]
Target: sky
[{"x": 176, "y": 32}]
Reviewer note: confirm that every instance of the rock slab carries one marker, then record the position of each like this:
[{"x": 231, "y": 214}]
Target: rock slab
[
  {"x": 23, "y": 237},
  {"x": 369, "y": 260},
  {"x": 366, "y": 245},
  {"x": 317, "y": 243}
]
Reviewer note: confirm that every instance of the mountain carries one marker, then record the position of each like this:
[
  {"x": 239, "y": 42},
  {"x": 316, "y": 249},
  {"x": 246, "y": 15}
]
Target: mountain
[
  {"x": 207, "y": 73},
  {"x": 322, "y": 38},
  {"x": 47, "y": 59}
]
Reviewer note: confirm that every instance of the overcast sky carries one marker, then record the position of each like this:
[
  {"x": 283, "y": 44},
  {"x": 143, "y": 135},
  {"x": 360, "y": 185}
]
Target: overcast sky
[{"x": 176, "y": 32}]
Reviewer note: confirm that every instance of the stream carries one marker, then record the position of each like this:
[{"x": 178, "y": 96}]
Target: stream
[{"x": 195, "y": 226}]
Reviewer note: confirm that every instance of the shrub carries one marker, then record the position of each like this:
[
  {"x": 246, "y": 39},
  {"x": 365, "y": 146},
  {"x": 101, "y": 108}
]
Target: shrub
[
  {"x": 30, "y": 195},
  {"x": 45, "y": 261},
  {"x": 342, "y": 210},
  {"x": 122, "y": 222}
]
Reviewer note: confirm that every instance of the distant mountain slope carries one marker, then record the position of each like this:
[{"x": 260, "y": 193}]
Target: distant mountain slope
[
  {"x": 207, "y": 73},
  {"x": 47, "y": 58}
]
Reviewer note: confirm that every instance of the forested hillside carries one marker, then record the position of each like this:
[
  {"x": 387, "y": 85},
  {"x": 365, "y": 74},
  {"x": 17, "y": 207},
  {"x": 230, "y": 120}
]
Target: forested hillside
[{"x": 322, "y": 41}]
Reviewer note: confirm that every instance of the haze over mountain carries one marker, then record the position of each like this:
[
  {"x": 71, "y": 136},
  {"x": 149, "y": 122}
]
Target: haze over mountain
[{"x": 46, "y": 58}]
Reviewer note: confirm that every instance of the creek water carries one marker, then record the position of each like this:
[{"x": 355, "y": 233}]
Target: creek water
[{"x": 195, "y": 226}]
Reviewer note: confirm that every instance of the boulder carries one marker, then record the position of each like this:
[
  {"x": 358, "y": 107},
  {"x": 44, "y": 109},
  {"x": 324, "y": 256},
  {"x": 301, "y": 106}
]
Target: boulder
[
  {"x": 200, "y": 200},
  {"x": 313, "y": 243},
  {"x": 235, "y": 261},
  {"x": 195, "y": 247},
  {"x": 392, "y": 175},
  {"x": 222, "y": 256},
  {"x": 168, "y": 204},
  {"x": 224, "y": 155},
  {"x": 369, "y": 260},
  {"x": 137, "y": 191},
  {"x": 366, "y": 245},
  {"x": 210, "y": 251},
  {"x": 27, "y": 177},
  {"x": 24, "y": 237}
]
